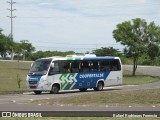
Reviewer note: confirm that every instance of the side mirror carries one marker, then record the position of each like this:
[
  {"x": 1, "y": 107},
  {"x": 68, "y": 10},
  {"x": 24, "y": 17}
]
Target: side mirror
[
  {"x": 31, "y": 64},
  {"x": 52, "y": 65}
]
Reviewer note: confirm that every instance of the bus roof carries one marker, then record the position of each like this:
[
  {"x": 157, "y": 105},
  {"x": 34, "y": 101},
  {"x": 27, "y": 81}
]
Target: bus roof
[{"x": 82, "y": 57}]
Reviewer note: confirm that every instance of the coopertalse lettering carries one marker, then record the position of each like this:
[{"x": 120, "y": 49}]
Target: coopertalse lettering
[{"x": 99, "y": 75}]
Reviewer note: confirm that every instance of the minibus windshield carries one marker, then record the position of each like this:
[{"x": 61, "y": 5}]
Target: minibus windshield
[{"x": 40, "y": 66}]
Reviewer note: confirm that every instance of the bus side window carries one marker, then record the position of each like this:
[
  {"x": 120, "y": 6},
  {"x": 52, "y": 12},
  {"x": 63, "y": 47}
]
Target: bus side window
[
  {"x": 99, "y": 66},
  {"x": 94, "y": 66},
  {"x": 55, "y": 69},
  {"x": 66, "y": 66},
  {"x": 119, "y": 65},
  {"x": 75, "y": 66},
  {"x": 90, "y": 66},
  {"x": 105, "y": 65},
  {"x": 80, "y": 67},
  {"x": 115, "y": 65},
  {"x": 85, "y": 66}
]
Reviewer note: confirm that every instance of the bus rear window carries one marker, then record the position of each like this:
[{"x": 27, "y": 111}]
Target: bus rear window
[{"x": 110, "y": 65}]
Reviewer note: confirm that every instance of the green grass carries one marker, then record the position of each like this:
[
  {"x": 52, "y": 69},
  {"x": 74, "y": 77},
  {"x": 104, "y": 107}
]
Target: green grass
[
  {"x": 8, "y": 76},
  {"x": 140, "y": 78},
  {"x": 10, "y": 69},
  {"x": 111, "y": 98}
]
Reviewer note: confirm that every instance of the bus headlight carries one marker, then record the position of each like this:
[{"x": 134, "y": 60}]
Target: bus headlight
[{"x": 43, "y": 79}]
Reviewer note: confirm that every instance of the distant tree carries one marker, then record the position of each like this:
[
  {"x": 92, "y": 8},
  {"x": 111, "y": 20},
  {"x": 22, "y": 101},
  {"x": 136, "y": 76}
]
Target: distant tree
[
  {"x": 43, "y": 54},
  {"x": 5, "y": 44},
  {"x": 23, "y": 48},
  {"x": 153, "y": 41},
  {"x": 153, "y": 51},
  {"x": 2, "y": 44},
  {"x": 68, "y": 53},
  {"x": 36, "y": 55},
  {"x": 87, "y": 52},
  {"x": 106, "y": 51},
  {"x": 17, "y": 49},
  {"x": 138, "y": 38},
  {"x": 26, "y": 48},
  {"x": 133, "y": 34}
]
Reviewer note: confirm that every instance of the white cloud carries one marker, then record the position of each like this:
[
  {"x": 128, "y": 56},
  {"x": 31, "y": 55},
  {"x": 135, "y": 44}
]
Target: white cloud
[
  {"x": 51, "y": 24},
  {"x": 141, "y": 1}
]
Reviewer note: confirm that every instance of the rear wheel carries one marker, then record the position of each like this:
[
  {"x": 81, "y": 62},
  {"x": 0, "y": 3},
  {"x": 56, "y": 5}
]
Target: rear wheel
[
  {"x": 55, "y": 89},
  {"x": 99, "y": 86},
  {"x": 83, "y": 89},
  {"x": 37, "y": 92}
]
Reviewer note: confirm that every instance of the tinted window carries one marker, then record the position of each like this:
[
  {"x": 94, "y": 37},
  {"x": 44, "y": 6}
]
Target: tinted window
[
  {"x": 40, "y": 65},
  {"x": 65, "y": 66},
  {"x": 115, "y": 65},
  {"x": 55, "y": 69},
  {"x": 94, "y": 66},
  {"x": 75, "y": 66},
  {"x": 110, "y": 65},
  {"x": 105, "y": 65},
  {"x": 85, "y": 66}
]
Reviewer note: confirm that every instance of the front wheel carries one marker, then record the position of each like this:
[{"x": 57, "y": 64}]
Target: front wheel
[
  {"x": 55, "y": 89},
  {"x": 99, "y": 86}
]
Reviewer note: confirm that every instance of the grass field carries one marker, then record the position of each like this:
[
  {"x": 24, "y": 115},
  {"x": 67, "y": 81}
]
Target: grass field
[
  {"x": 8, "y": 76},
  {"x": 109, "y": 98},
  {"x": 10, "y": 69},
  {"x": 140, "y": 78}
]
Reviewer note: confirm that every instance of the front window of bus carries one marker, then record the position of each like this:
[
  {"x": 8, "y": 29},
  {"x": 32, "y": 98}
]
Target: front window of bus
[{"x": 40, "y": 67}]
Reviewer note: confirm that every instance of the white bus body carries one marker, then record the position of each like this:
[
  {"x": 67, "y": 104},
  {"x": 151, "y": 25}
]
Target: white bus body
[{"x": 74, "y": 72}]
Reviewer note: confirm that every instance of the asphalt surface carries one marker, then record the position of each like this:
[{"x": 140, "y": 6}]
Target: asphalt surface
[
  {"x": 26, "y": 107},
  {"x": 21, "y": 102},
  {"x": 150, "y": 70}
]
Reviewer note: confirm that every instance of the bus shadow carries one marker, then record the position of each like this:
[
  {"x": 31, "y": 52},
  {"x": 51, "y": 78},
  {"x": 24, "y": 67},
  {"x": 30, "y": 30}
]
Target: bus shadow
[
  {"x": 77, "y": 91},
  {"x": 89, "y": 91}
]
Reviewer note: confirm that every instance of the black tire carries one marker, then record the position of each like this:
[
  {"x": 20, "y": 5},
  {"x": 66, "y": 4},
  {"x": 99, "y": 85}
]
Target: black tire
[
  {"x": 55, "y": 89},
  {"x": 83, "y": 89},
  {"x": 99, "y": 87},
  {"x": 37, "y": 92}
]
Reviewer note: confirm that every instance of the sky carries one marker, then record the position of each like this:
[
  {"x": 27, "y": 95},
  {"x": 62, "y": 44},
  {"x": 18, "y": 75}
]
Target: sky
[{"x": 77, "y": 25}]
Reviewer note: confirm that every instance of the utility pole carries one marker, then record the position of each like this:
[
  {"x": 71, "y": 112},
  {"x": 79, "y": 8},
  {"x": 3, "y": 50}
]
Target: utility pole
[{"x": 11, "y": 17}]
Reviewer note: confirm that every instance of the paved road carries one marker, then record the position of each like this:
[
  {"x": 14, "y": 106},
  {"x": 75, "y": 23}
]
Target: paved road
[
  {"x": 79, "y": 111},
  {"x": 19, "y": 102},
  {"x": 26, "y": 107},
  {"x": 30, "y": 96},
  {"x": 150, "y": 70}
]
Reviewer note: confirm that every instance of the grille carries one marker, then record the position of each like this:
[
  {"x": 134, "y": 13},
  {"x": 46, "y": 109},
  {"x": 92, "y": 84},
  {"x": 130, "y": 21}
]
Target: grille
[{"x": 33, "y": 84}]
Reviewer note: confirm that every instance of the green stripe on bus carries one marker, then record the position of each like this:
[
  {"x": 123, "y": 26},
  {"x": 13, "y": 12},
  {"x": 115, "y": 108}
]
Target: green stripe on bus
[
  {"x": 77, "y": 58},
  {"x": 69, "y": 58},
  {"x": 68, "y": 86}
]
